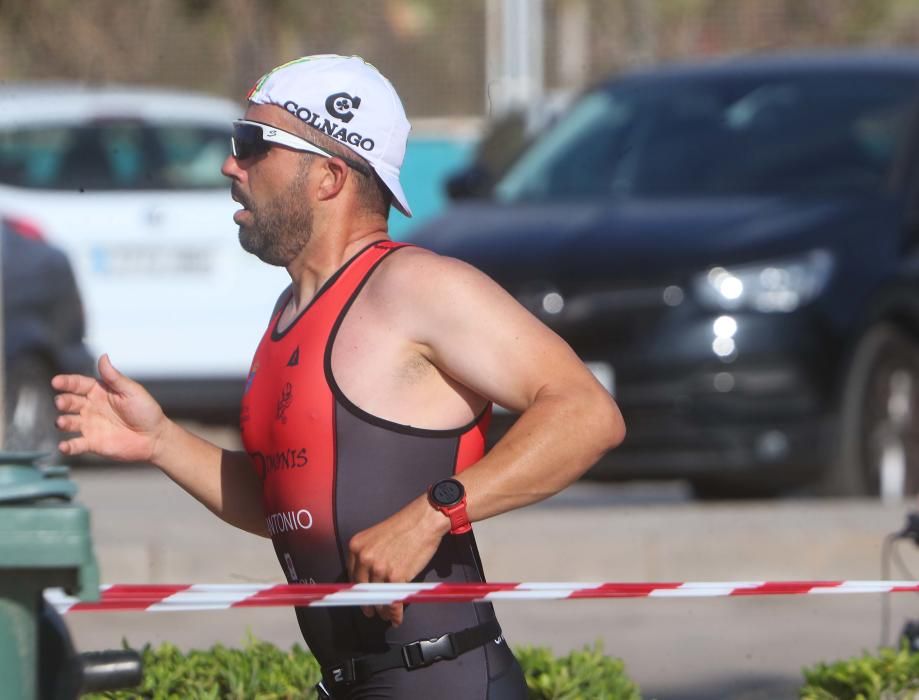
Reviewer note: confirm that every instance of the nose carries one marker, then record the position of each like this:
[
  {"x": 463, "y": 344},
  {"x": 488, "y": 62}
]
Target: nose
[{"x": 230, "y": 168}]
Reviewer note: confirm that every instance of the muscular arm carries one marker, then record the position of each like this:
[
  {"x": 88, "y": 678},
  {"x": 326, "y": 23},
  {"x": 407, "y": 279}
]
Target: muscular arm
[
  {"x": 469, "y": 328},
  {"x": 488, "y": 342}
]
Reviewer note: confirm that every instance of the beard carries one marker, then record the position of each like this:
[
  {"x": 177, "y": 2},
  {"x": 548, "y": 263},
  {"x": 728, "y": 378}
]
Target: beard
[{"x": 280, "y": 227}]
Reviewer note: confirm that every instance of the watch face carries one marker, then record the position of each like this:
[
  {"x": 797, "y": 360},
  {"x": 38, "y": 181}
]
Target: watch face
[{"x": 447, "y": 492}]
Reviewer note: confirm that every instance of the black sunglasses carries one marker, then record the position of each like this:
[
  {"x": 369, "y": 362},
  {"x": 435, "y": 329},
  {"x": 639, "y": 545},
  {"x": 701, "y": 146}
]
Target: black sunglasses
[{"x": 252, "y": 139}]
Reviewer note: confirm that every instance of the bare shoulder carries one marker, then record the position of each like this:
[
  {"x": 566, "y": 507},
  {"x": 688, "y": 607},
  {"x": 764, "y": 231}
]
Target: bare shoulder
[
  {"x": 422, "y": 275},
  {"x": 435, "y": 299},
  {"x": 468, "y": 326}
]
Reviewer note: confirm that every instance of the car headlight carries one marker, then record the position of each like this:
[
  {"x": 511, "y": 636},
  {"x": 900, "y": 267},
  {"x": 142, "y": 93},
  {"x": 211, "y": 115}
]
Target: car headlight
[{"x": 777, "y": 286}]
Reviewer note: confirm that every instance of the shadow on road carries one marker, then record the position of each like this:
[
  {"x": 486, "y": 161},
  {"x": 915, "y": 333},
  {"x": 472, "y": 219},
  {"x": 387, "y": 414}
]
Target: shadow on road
[{"x": 746, "y": 687}]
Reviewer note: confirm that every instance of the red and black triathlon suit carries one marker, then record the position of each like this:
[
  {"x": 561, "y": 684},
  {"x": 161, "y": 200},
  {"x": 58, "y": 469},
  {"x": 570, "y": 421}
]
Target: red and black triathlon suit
[{"x": 330, "y": 470}]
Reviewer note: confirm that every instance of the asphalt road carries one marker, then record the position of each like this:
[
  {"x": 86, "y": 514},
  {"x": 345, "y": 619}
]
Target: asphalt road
[{"x": 146, "y": 530}]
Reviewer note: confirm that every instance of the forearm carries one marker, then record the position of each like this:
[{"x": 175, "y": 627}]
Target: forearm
[
  {"x": 222, "y": 480},
  {"x": 558, "y": 438}
]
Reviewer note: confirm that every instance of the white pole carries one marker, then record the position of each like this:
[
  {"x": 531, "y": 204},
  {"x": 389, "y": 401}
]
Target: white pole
[
  {"x": 536, "y": 52},
  {"x": 514, "y": 60},
  {"x": 493, "y": 57},
  {"x": 2, "y": 349}
]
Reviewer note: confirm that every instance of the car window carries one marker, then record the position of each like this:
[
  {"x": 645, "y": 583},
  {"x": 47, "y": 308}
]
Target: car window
[
  {"x": 710, "y": 137},
  {"x": 114, "y": 155}
]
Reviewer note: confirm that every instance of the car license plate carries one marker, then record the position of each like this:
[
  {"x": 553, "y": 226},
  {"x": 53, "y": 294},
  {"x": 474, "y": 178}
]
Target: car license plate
[{"x": 151, "y": 260}]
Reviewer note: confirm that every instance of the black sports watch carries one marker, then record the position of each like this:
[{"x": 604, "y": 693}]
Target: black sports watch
[{"x": 449, "y": 497}]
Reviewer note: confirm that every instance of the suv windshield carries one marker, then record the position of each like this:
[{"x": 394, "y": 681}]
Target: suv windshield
[
  {"x": 114, "y": 155},
  {"x": 698, "y": 137}
]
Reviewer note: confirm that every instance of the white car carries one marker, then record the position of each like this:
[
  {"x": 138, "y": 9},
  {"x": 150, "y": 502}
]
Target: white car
[{"x": 127, "y": 182}]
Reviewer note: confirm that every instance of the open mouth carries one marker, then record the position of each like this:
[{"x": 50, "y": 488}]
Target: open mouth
[{"x": 238, "y": 198}]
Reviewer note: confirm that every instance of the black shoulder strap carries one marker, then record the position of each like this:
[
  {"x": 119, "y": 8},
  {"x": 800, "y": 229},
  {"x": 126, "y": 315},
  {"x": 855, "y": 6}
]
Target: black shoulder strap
[{"x": 282, "y": 300}]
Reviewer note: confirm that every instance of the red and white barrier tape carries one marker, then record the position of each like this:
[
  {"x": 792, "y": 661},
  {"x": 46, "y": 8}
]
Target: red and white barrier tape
[{"x": 155, "y": 598}]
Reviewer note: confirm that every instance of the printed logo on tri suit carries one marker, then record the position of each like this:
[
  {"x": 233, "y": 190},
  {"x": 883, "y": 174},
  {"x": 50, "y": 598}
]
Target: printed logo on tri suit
[
  {"x": 251, "y": 377},
  {"x": 289, "y": 520},
  {"x": 291, "y": 570},
  {"x": 281, "y": 460},
  {"x": 287, "y": 395}
]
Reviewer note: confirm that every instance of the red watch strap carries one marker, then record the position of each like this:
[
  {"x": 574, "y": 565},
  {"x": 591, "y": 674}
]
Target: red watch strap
[{"x": 459, "y": 519}]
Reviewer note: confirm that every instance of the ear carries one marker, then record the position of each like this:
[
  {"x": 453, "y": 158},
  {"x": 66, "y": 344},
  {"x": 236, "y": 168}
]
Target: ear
[{"x": 332, "y": 179}]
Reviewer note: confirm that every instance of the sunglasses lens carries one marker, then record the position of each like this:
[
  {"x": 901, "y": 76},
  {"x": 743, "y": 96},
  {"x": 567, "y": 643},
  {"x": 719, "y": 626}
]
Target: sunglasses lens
[{"x": 247, "y": 141}]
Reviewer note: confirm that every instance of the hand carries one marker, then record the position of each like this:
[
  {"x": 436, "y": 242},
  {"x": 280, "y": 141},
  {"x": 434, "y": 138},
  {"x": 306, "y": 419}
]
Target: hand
[
  {"x": 396, "y": 550},
  {"x": 115, "y": 417}
]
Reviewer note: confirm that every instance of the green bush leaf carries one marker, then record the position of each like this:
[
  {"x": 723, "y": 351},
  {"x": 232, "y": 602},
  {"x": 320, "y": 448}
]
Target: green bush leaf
[
  {"x": 261, "y": 671},
  {"x": 888, "y": 674}
]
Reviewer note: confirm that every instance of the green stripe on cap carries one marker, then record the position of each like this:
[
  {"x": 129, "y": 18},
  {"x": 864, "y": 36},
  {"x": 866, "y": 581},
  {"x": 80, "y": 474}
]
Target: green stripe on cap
[{"x": 261, "y": 81}]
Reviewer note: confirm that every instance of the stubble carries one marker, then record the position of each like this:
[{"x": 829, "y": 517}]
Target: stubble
[{"x": 280, "y": 227}]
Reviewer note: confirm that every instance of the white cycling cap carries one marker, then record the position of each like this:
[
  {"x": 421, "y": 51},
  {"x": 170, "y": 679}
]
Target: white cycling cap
[{"x": 351, "y": 101}]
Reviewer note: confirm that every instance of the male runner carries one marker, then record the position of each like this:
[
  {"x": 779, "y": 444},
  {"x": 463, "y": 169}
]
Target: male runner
[{"x": 368, "y": 397}]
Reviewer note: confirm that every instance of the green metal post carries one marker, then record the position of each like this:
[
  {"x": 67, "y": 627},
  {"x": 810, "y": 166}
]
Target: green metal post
[{"x": 44, "y": 542}]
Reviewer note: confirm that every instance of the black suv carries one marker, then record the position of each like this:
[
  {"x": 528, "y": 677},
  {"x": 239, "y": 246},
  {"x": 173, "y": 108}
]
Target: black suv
[{"x": 732, "y": 247}]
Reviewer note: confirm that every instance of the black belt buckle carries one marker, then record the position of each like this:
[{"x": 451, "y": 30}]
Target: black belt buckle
[{"x": 427, "y": 651}]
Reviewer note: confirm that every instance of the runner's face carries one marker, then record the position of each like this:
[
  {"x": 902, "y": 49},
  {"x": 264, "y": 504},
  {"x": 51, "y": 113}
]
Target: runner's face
[{"x": 276, "y": 220}]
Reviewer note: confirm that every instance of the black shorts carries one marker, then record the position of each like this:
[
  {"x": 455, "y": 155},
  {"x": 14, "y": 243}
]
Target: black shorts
[{"x": 487, "y": 673}]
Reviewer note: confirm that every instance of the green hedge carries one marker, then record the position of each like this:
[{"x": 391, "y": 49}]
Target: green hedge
[
  {"x": 888, "y": 674},
  {"x": 261, "y": 671}
]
